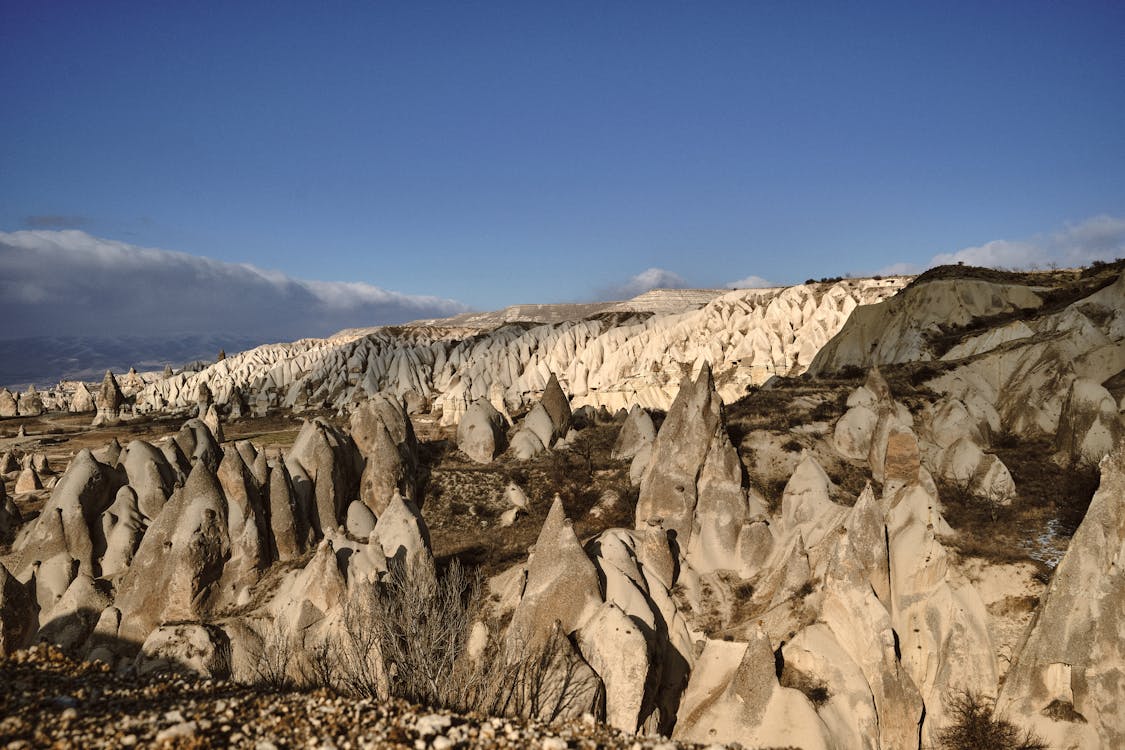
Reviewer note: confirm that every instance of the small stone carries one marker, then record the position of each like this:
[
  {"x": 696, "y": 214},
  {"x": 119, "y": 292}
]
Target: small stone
[
  {"x": 441, "y": 743},
  {"x": 554, "y": 743},
  {"x": 183, "y": 730},
  {"x": 69, "y": 714},
  {"x": 129, "y": 740},
  {"x": 432, "y": 724}
]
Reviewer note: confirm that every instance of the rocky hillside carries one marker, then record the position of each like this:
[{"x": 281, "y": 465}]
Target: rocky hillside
[
  {"x": 848, "y": 558},
  {"x": 614, "y": 359}
]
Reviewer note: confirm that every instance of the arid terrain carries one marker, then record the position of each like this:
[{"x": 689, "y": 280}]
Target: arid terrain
[{"x": 854, "y": 513}]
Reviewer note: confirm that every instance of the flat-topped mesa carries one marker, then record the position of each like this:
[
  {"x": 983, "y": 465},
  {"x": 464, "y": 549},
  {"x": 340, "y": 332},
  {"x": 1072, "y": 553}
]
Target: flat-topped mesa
[{"x": 109, "y": 400}]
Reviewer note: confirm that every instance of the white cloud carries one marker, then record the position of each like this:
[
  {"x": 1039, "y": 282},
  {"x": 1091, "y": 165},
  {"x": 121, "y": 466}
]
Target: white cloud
[
  {"x": 69, "y": 283},
  {"x": 899, "y": 269},
  {"x": 1096, "y": 238},
  {"x": 751, "y": 282},
  {"x": 647, "y": 280}
]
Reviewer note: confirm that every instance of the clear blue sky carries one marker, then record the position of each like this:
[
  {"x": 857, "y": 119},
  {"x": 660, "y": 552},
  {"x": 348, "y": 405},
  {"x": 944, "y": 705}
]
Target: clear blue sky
[{"x": 529, "y": 151}]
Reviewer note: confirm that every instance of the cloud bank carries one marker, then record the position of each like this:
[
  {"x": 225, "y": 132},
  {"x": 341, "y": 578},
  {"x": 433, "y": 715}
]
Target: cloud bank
[
  {"x": 69, "y": 283},
  {"x": 1097, "y": 238},
  {"x": 645, "y": 281},
  {"x": 1078, "y": 244},
  {"x": 751, "y": 282}
]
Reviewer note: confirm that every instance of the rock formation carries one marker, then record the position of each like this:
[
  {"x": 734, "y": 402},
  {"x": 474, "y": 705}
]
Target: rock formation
[
  {"x": 480, "y": 434},
  {"x": 108, "y": 400},
  {"x": 1067, "y": 680}
]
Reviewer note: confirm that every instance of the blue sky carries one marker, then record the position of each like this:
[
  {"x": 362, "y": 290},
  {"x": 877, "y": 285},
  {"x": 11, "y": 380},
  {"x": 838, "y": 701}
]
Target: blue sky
[{"x": 497, "y": 153}]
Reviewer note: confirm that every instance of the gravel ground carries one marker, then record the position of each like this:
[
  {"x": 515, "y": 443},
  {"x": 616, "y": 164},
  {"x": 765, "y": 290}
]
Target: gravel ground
[{"x": 49, "y": 701}]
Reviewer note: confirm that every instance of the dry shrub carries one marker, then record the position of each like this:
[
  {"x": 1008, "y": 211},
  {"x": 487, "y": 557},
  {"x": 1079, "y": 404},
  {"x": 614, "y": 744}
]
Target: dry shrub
[
  {"x": 408, "y": 636},
  {"x": 974, "y": 726}
]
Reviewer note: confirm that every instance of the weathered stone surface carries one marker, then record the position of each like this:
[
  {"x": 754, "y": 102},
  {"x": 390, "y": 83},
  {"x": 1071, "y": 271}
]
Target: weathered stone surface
[
  {"x": 1072, "y": 658},
  {"x": 526, "y": 445},
  {"x": 9, "y": 407},
  {"x": 616, "y": 649},
  {"x": 854, "y": 432},
  {"x": 669, "y": 488},
  {"x": 150, "y": 475},
  {"x": 17, "y": 613},
  {"x": 69, "y": 523},
  {"x": 557, "y": 405},
  {"x": 10, "y": 517},
  {"x": 902, "y": 460},
  {"x": 636, "y": 432},
  {"x": 403, "y": 534},
  {"x": 108, "y": 400},
  {"x": 480, "y": 434},
  {"x": 71, "y": 620},
  {"x": 31, "y": 403},
  {"x": 81, "y": 400},
  {"x": 734, "y": 696},
  {"x": 1089, "y": 425},
  {"x": 291, "y": 523},
  {"x": 385, "y": 438},
  {"x": 28, "y": 481},
  {"x": 122, "y": 526},
  {"x": 176, "y": 570},
  {"x": 192, "y": 650},
  {"x": 940, "y": 619},
  {"x": 247, "y": 528},
  {"x": 361, "y": 521},
  {"x": 323, "y": 466},
  {"x": 562, "y": 584}
]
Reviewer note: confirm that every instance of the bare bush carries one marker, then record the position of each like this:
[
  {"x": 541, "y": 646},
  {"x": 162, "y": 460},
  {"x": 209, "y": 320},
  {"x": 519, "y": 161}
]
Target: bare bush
[
  {"x": 974, "y": 727},
  {"x": 548, "y": 681},
  {"x": 274, "y": 660},
  {"x": 407, "y": 637}
]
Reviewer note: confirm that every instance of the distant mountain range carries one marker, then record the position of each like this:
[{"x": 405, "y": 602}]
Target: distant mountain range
[{"x": 45, "y": 361}]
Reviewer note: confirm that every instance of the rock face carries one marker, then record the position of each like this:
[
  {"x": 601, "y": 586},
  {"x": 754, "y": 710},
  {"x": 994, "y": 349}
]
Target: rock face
[
  {"x": 1089, "y": 425},
  {"x": 562, "y": 584},
  {"x": 17, "y": 613},
  {"x": 637, "y": 433},
  {"x": 1067, "y": 680},
  {"x": 9, "y": 407},
  {"x": 176, "y": 571},
  {"x": 385, "y": 438},
  {"x": 735, "y": 696},
  {"x": 201, "y": 651},
  {"x": 634, "y": 356},
  {"x": 1046, "y": 375},
  {"x": 108, "y": 400},
  {"x": 324, "y": 467},
  {"x": 890, "y": 332},
  {"x": 480, "y": 435},
  {"x": 947, "y": 442},
  {"x": 693, "y": 484},
  {"x": 547, "y": 422},
  {"x": 81, "y": 400}
]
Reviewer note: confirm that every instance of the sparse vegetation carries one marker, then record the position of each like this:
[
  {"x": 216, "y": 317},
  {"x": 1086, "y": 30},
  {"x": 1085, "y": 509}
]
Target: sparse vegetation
[
  {"x": 815, "y": 690},
  {"x": 974, "y": 726}
]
